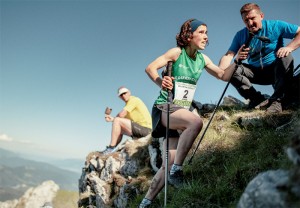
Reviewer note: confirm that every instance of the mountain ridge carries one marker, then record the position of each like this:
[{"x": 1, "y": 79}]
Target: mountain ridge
[{"x": 18, "y": 174}]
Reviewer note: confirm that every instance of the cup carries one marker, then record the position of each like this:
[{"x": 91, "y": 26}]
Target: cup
[{"x": 108, "y": 111}]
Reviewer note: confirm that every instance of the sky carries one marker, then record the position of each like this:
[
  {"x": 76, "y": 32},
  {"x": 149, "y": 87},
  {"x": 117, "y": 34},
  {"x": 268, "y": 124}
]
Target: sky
[{"x": 62, "y": 61}]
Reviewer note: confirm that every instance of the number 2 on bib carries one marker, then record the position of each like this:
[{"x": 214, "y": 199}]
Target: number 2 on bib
[{"x": 184, "y": 94}]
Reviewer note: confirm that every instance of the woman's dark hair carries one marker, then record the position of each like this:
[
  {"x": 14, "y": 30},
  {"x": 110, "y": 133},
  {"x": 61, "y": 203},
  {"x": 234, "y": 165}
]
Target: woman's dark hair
[{"x": 185, "y": 33}]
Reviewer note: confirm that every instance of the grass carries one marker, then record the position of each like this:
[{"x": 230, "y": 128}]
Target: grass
[
  {"x": 66, "y": 199},
  {"x": 228, "y": 158}
]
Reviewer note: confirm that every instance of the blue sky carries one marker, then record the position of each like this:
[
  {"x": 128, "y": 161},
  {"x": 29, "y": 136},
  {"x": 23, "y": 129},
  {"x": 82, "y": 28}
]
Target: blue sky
[{"x": 61, "y": 63}]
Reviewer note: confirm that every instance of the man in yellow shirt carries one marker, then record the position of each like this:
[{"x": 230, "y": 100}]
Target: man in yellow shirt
[{"x": 133, "y": 120}]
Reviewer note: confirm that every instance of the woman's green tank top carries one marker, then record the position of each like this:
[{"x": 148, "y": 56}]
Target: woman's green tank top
[{"x": 186, "y": 72}]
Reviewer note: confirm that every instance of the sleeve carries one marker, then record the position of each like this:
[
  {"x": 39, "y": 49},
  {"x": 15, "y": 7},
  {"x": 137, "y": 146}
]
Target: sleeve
[
  {"x": 287, "y": 30},
  {"x": 238, "y": 40}
]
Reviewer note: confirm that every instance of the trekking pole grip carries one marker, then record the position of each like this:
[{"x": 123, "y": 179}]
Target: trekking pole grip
[
  {"x": 169, "y": 73},
  {"x": 169, "y": 68}
]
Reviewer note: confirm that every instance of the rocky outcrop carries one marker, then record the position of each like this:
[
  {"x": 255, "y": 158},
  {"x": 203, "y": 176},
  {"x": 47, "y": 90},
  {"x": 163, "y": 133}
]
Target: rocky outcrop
[
  {"x": 40, "y": 196},
  {"x": 112, "y": 180}
]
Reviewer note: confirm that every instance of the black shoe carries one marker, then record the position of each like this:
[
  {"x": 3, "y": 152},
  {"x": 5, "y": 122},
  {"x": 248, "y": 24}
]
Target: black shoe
[
  {"x": 255, "y": 102},
  {"x": 254, "y": 96},
  {"x": 176, "y": 179},
  {"x": 275, "y": 107}
]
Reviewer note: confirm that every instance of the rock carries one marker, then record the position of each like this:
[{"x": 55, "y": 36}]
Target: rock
[
  {"x": 40, "y": 196},
  {"x": 9, "y": 204},
  {"x": 202, "y": 109},
  {"x": 263, "y": 191},
  {"x": 250, "y": 121},
  {"x": 155, "y": 150},
  {"x": 126, "y": 193},
  {"x": 232, "y": 101},
  {"x": 276, "y": 188},
  {"x": 110, "y": 180}
]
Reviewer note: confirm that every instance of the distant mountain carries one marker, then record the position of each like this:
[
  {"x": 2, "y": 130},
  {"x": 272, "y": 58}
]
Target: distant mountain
[
  {"x": 18, "y": 173},
  {"x": 75, "y": 165},
  {"x": 6, "y": 153}
]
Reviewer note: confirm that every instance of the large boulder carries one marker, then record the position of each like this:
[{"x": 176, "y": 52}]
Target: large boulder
[
  {"x": 112, "y": 180},
  {"x": 276, "y": 188}
]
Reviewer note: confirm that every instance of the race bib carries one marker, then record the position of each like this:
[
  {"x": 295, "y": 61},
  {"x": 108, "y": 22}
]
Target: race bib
[{"x": 184, "y": 94}]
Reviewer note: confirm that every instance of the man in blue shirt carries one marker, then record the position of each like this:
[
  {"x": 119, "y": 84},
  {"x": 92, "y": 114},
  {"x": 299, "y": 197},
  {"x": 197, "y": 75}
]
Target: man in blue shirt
[{"x": 268, "y": 62}]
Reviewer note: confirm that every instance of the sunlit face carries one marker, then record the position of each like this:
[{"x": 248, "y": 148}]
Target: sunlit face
[
  {"x": 199, "y": 38},
  {"x": 253, "y": 20}
]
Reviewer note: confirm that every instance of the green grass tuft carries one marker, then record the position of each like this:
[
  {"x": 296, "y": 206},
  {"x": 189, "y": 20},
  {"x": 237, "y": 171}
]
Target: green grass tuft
[{"x": 66, "y": 199}]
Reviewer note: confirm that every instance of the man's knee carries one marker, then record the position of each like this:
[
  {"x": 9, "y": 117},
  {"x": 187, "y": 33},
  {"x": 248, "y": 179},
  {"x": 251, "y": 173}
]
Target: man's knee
[
  {"x": 240, "y": 77},
  {"x": 286, "y": 62},
  {"x": 238, "y": 72},
  {"x": 117, "y": 120}
]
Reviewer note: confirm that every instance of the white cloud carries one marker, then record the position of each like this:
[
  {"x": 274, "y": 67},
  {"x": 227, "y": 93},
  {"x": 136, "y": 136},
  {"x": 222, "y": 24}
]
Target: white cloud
[{"x": 5, "y": 138}]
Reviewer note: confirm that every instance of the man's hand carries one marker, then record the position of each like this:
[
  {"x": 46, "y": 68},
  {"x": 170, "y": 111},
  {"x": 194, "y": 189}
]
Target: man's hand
[
  {"x": 109, "y": 118},
  {"x": 283, "y": 52},
  {"x": 242, "y": 54}
]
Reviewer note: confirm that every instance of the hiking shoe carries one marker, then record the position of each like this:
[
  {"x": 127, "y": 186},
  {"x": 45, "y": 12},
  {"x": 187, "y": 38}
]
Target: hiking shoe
[
  {"x": 109, "y": 150},
  {"x": 176, "y": 179},
  {"x": 275, "y": 107},
  {"x": 142, "y": 205},
  {"x": 145, "y": 203},
  {"x": 263, "y": 105}
]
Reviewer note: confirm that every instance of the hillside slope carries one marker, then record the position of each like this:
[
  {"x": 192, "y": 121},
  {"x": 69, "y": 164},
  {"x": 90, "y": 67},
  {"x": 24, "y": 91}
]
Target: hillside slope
[{"x": 237, "y": 147}]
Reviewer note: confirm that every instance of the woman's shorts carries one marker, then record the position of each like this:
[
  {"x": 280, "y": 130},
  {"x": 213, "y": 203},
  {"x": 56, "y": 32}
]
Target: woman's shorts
[{"x": 158, "y": 129}]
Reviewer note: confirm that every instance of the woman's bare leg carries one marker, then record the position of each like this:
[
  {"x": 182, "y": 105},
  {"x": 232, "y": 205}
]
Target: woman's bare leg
[
  {"x": 158, "y": 180},
  {"x": 191, "y": 126}
]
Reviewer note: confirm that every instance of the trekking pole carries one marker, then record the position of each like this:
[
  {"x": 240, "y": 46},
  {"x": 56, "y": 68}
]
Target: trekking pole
[
  {"x": 251, "y": 35},
  {"x": 296, "y": 71},
  {"x": 169, "y": 72}
]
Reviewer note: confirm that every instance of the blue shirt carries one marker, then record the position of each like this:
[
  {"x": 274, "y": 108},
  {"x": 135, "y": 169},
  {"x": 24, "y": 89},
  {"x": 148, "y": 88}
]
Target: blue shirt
[{"x": 263, "y": 54}]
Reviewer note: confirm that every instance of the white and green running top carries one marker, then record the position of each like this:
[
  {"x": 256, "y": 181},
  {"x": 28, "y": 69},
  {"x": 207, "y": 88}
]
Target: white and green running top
[{"x": 186, "y": 72}]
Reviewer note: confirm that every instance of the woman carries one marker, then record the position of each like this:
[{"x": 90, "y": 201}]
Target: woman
[{"x": 188, "y": 64}]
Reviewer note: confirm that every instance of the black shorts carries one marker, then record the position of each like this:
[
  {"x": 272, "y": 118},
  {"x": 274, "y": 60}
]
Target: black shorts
[
  {"x": 139, "y": 131},
  {"x": 158, "y": 129}
]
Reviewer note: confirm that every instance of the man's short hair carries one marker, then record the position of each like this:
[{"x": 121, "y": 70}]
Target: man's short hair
[{"x": 248, "y": 7}]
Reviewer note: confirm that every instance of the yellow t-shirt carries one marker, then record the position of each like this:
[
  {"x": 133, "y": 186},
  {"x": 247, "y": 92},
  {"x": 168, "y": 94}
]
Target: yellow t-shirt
[{"x": 138, "y": 112}]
